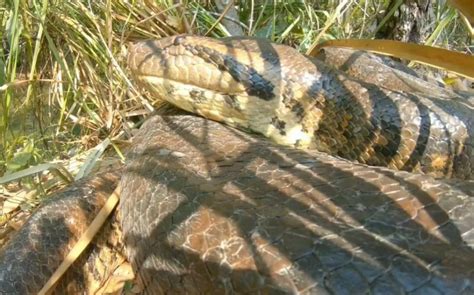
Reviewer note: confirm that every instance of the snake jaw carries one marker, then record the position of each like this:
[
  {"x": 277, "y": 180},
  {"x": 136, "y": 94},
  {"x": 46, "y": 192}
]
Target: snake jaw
[{"x": 208, "y": 66}]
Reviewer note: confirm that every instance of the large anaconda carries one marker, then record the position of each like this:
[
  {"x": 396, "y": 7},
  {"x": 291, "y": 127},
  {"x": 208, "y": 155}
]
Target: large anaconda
[
  {"x": 209, "y": 209},
  {"x": 219, "y": 211},
  {"x": 300, "y": 101}
]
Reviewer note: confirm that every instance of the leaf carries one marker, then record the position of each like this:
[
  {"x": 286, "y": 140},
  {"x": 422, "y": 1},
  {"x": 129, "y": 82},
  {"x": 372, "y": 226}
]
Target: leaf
[
  {"x": 56, "y": 168},
  {"x": 265, "y": 31},
  {"x": 15, "y": 200},
  {"x": 19, "y": 161},
  {"x": 466, "y": 7},
  {"x": 92, "y": 158}
]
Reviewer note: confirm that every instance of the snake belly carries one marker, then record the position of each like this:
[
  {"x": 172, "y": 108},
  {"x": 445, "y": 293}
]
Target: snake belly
[{"x": 300, "y": 101}]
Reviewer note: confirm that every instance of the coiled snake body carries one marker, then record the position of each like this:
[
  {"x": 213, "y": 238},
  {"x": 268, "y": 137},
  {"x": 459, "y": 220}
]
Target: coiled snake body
[
  {"x": 295, "y": 100},
  {"x": 209, "y": 209}
]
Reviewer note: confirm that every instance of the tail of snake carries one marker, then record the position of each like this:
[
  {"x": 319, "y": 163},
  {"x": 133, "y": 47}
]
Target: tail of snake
[{"x": 210, "y": 209}]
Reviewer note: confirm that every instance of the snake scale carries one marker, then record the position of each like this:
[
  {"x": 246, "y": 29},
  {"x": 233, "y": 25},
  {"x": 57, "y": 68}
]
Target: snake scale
[
  {"x": 207, "y": 208},
  {"x": 295, "y": 100}
]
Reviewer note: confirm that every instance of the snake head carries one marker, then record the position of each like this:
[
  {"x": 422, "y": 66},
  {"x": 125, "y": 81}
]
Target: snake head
[
  {"x": 203, "y": 75},
  {"x": 203, "y": 62}
]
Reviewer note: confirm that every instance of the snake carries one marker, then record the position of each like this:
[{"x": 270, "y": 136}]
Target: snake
[
  {"x": 298, "y": 101},
  {"x": 345, "y": 197}
]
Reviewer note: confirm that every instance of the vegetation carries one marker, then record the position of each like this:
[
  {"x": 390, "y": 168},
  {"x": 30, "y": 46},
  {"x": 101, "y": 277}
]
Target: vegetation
[{"x": 63, "y": 85}]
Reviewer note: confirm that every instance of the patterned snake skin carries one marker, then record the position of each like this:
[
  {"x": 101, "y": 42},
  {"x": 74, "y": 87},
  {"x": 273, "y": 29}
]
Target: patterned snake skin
[
  {"x": 207, "y": 209},
  {"x": 41, "y": 244},
  {"x": 300, "y": 101}
]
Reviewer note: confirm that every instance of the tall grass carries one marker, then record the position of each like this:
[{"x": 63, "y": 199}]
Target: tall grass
[{"x": 63, "y": 85}]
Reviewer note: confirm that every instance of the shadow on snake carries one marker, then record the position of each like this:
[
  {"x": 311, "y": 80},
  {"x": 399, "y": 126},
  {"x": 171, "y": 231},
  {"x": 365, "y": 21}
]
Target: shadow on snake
[
  {"x": 384, "y": 118},
  {"x": 361, "y": 246},
  {"x": 332, "y": 256}
]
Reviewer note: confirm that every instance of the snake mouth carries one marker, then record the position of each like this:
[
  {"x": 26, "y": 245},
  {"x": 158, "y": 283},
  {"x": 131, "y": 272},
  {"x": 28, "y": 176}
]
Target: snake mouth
[{"x": 222, "y": 107}]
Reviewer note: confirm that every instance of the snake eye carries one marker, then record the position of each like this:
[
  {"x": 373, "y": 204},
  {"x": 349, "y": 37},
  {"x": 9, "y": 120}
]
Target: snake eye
[{"x": 178, "y": 40}]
